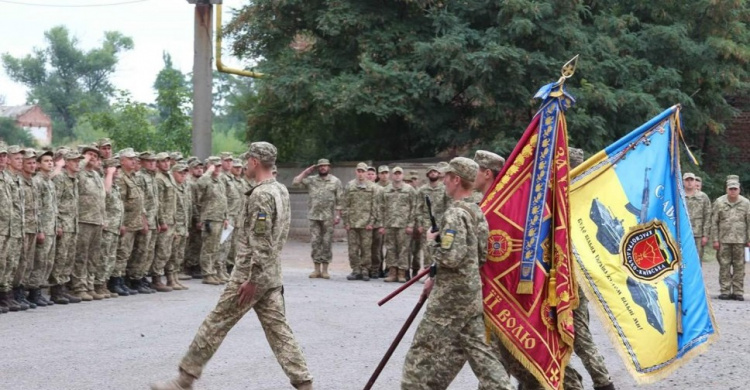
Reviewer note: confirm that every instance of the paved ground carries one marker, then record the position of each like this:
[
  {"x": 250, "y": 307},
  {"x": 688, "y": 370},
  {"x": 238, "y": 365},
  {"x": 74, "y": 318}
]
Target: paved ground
[{"x": 125, "y": 343}]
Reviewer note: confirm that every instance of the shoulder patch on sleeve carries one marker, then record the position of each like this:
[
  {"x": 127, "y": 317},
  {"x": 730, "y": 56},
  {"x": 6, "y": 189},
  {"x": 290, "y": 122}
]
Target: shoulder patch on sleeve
[
  {"x": 446, "y": 240},
  {"x": 260, "y": 224}
]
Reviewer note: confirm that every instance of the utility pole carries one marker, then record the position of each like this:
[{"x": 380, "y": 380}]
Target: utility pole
[{"x": 202, "y": 77}]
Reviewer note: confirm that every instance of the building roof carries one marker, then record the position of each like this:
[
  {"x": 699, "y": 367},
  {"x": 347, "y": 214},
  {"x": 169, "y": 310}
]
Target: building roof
[{"x": 14, "y": 111}]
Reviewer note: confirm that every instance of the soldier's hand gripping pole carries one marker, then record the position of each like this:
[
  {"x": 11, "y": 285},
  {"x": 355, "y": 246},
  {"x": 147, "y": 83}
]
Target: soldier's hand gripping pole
[
  {"x": 434, "y": 228},
  {"x": 397, "y": 340}
]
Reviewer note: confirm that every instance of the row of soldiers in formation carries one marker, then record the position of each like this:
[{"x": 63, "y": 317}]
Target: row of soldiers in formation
[
  {"x": 92, "y": 225},
  {"x": 452, "y": 330},
  {"x": 726, "y": 224}
]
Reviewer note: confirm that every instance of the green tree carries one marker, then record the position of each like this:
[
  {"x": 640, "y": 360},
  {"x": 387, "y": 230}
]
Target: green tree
[
  {"x": 172, "y": 102},
  {"x": 361, "y": 78},
  {"x": 11, "y": 134},
  {"x": 127, "y": 123},
  {"x": 66, "y": 80}
]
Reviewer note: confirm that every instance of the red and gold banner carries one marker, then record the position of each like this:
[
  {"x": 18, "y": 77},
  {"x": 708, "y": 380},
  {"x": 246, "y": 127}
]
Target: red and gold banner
[{"x": 528, "y": 286}]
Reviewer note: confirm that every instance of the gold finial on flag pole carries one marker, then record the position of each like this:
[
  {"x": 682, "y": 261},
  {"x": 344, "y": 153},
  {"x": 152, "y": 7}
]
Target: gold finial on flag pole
[{"x": 569, "y": 69}]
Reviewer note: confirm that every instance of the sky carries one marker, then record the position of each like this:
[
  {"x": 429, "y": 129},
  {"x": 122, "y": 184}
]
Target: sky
[{"x": 154, "y": 25}]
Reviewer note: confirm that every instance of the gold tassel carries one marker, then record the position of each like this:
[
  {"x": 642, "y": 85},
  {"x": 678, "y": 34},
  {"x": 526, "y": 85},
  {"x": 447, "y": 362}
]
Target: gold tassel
[
  {"x": 525, "y": 287},
  {"x": 552, "y": 298}
]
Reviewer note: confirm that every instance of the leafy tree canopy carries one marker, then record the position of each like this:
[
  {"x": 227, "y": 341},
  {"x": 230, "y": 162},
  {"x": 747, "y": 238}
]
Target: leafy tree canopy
[
  {"x": 11, "y": 134},
  {"x": 390, "y": 79}
]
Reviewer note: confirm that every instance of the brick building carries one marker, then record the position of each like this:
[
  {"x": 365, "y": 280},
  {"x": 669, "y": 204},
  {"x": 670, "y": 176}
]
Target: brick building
[{"x": 32, "y": 119}]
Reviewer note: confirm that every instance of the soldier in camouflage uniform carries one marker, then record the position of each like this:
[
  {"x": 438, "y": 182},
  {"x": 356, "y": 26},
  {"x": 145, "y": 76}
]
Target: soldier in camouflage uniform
[
  {"x": 134, "y": 222},
  {"x": 5, "y": 223},
  {"x": 399, "y": 207},
  {"x": 256, "y": 282},
  {"x": 325, "y": 197},
  {"x": 435, "y": 190},
  {"x": 44, "y": 254},
  {"x": 8, "y": 281},
  {"x": 113, "y": 227},
  {"x": 378, "y": 240},
  {"x": 165, "y": 187},
  {"x": 730, "y": 222},
  {"x": 699, "y": 211},
  {"x": 212, "y": 201},
  {"x": 66, "y": 187},
  {"x": 182, "y": 218},
  {"x": 234, "y": 202},
  {"x": 142, "y": 257},
  {"x": 361, "y": 214},
  {"x": 194, "y": 243},
  {"x": 239, "y": 184},
  {"x": 453, "y": 319},
  {"x": 30, "y": 228},
  {"x": 698, "y": 183}
]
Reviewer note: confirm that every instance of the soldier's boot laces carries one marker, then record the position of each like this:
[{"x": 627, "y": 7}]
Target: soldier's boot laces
[
  {"x": 157, "y": 285},
  {"x": 316, "y": 273},
  {"x": 392, "y": 275},
  {"x": 183, "y": 382},
  {"x": 324, "y": 271}
]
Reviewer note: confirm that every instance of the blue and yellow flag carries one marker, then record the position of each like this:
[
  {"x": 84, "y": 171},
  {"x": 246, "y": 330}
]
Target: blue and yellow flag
[{"x": 637, "y": 258}]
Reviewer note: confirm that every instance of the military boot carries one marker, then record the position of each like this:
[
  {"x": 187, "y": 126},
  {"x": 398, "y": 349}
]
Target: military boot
[
  {"x": 84, "y": 295},
  {"x": 402, "y": 276},
  {"x": 176, "y": 280},
  {"x": 72, "y": 298},
  {"x": 42, "y": 297},
  {"x": 3, "y": 309},
  {"x": 35, "y": 297},
  {"x": 184, "y": 276},
  {"x": 57, "y": 296},
  {"x": 316, "y": 273},
  {"x": 223, "y": 274},
  {"x": 158, "y": 285},
  {"x": 20, "y": 297},
  {"x": 173, "y": 283},
  {"x": 114, "y": 286},
  {"x": 6, "y": 301},
  {"x": 127, "y": 286},
  {"x": 324, "y": 271},
  {"x": 354, "y": 276},
  {"x": 141, "y": 288},
  {"x": 366, "y": 275},
  {"x": 183, "y": 382},
  {"x": 108, "y": 289},
  {"x": 100, "y": 291},
  {"x": 197, "y": 272},
  {"x": 211, "y": 279},
  {"x": 304, "y": 386},
  {"x": 147, "y": 284},
  {"x": 374, "y": 274},
  {"x": 392, "y": 275}
]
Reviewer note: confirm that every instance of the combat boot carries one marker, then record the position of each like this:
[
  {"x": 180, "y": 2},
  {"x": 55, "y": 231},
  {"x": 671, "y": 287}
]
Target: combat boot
[
  {"x": 116, "y": 287},
  {"x": 354, "y": 276},
  {"x": 126, "y": 286},
  {"x": 139, "y": 286},
  {"x": 222, "y": 274},
  {"x": 324, "y": 271},
  {"x": 392, "y": 275},
  {"x": 20, "y": 297},
  {"x": 177, "y": 284},
  {"x": 197, "y": 272},
  {"x": 48, "y": 302},
  {"x": 304, "y": 386},
  {"x": 184, "y": 276},
  {"x": 35, "y": 295},
  {"x": 183, "y": 382},
  {"x": 211, "y": 279},
  {"x": 147, "y": 284},
  {"x": 365, "y": 276},
  {"x": 158, "y": 285},
  {"x": 316, "y": 273},
  {"x": 401, "y": 276},
  {"x": 100, "y": 291},
  {"x": 57, "y": 296},
  {"x": 3, "y": 309},
  {"x": 72, "y": 298},
  {"x": 83, "y": 295},
  {"x": 374, "y": 274},
  {"x": 7, "y": 301}
]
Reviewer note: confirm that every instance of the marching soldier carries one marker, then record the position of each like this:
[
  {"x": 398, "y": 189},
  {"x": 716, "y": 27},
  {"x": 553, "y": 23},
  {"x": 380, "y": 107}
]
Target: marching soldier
[
  {"x": 255, "y": 284},
  {"x": 730, "y": 222},
  {"x": 399, "y": 205},
  {"x": 699, "y": 211},
  {"x": 361, "y": 216},
  {"x": 326, "y": 195}
]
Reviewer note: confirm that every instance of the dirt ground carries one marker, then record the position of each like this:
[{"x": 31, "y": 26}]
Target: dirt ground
[{"x": 126, "y": 343}]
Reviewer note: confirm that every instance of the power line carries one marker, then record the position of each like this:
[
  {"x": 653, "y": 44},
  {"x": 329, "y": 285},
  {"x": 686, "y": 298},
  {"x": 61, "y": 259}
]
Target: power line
[{"x": 72, "y": 5}]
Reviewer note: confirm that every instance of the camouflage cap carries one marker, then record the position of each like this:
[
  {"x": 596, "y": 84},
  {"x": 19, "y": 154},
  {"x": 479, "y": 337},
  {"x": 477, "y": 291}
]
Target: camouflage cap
[
  {"x": 103, "y": 142},
  {"x": 442, "y": 166},
  {"x": 361, "y": 166},
  {"x": 90, "y": 148},
  {"x": 698, "y": 179},
  {"x": 225, "y": 155},
  {"x": 242, "y": 156},
  {"x": 3, "y": 148},
  {"x": 383, "y": 168},
  {"x": 263, "y": 151},
  {"x": 29, "y": 153},
  {"x": 195, "y": 163},
  {"x": 371, "y": 168},
  {"x": 323, "y": 161},
  {"x": 688, "y": 175},
  {"x": 162, "y": 156},
  {"x": 575, "y": 156},
  {"x": 73, "y": 155},
  {"x": 236, "y": 163},
  {"x": 15, "y": 149},
  {"x": 213, "y": 160},
  {"x": 44, "y": 153},
  {"x": 177, "y": 156},
  {"x": 397, "y": 170},
  {"x": 191, "y": 159},
  {"x": 488, "y": 160},
  {"x": 179, "y": 168},
  {"x": 432, "y": 168},
  {"x": 733, "y": 178},
  {"x": 127, "y": 153},
  {"x": 463, "y": 167},
  {"x": 147, "y": 155},
  {"x": 112, "y": 162},
  {"x": 733, "y": 184}
]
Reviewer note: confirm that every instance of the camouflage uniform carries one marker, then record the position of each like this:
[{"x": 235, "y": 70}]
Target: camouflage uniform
[
  {"x": 439, "y": 201},
  {"x": 44, "y": 257},
  {"x": 66, "y": 187},
  {"x": 182, "y": 218},
  {"x": 30, "y": 228},
  {"x": 241, "y": 187},
  {"x": 194, "y": 241},
  {"x": 453, "y": 320},
  {"x": 360, "y": 209},
  {"x": 91, "y": 214},
  {"x": 213, "y": 212},
  {"x": 15, "y": 242},
  {"x": 6, "y": 218},
  {"x": 378, "y": 240},
  {"x": 263, "y": 233},
  {"x": 699, "y": 210},
  {"x": 234, "y": 202},
  {"x": 399, "y": 207},
  {"x": 165, "y": 216},
  {"x": 325, "y": 194},
  {"x": 114, "y": 212},
  {"x": 142, "y": 257},
  {"x": 729, "y": 226},
  {"x": 134, "y": 213}
]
